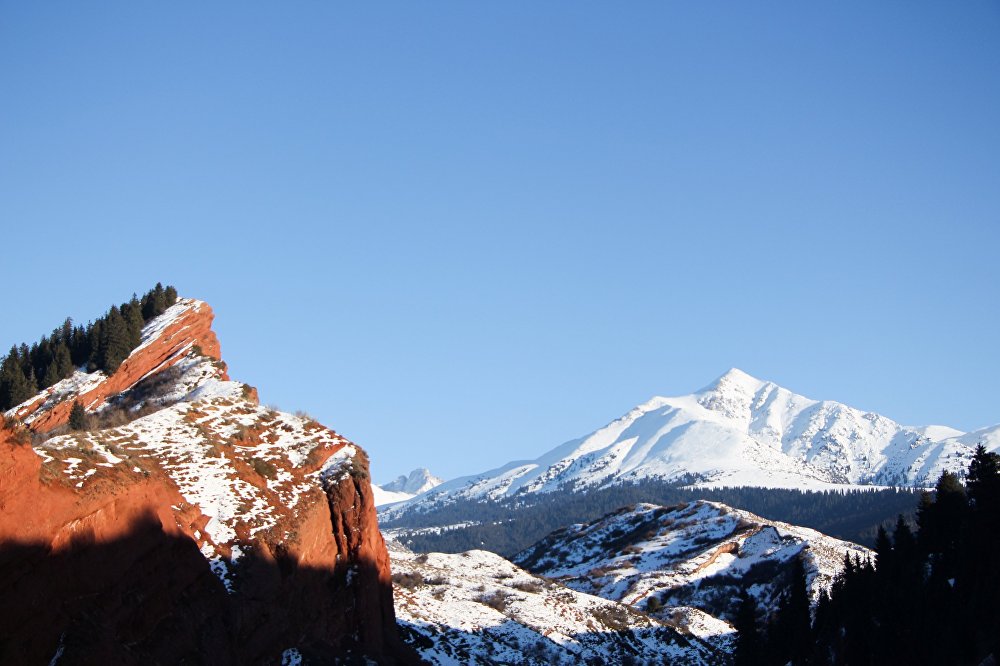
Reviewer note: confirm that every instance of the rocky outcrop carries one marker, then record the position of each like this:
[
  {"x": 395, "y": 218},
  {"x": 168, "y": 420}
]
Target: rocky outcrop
[
  {"x": 365, "y": 562},
  {"x": 164, "y": 344},
  {"x": 207, "y": 530}
]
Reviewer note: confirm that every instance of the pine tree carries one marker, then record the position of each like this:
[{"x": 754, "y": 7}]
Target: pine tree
[
  {"x": 940, "y": 524},
  {"x": 24, "y": 357},
  {"x": 66, "y": 331},
  {"x": 114, "y": 347},
  {"x": 78, "y": 419},
  {"x": 793, "y": 622},
  {"x": 980, "y": 579},
  {"x": 154, "y": 303},
  {"x": 51, "y": 374},
  {"x": 15, "y": 388},
  {"x": 132, "y": 312},
  {"x": 94, "y": 334},
  {"x": 749, "y": 646},
  {"x": 41, "y": 357},
  {"x": 984, "y": 477},
  {"x": 63, "y": 360},
  {"x": 170, "y": 295},
  {"x": 883, "y": 551},
  {"x": 904, "y": 544},
  {"x": 79, "y": 350}
]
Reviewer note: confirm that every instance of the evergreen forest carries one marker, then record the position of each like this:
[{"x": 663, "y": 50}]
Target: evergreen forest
[
  {"x": 100, "y": 345},
  {"x": 511, "y": 525},
  {"x": 931, "y": 595}
]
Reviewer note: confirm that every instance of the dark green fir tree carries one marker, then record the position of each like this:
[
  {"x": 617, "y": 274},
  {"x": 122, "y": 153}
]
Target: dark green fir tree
[{"x": 78, "y": 419}]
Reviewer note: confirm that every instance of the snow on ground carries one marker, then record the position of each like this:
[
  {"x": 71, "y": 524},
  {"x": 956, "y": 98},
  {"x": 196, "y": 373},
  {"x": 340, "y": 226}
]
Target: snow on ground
[
  {"x": 718, "y": 633},
  {"x": 699, "y": 554},
  {"x": 241, "y": 464},
  {"x": 213, "y": 450},
  {"x": 157, "y": 326},
  {"x": 198, "y": 445},
  {"x": 78, "y": 383},
  {"x": 478, "y": 608}
]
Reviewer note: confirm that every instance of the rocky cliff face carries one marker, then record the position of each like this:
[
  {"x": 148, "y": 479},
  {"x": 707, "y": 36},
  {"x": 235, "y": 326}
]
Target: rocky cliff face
[{"x": 190, "y": 525}]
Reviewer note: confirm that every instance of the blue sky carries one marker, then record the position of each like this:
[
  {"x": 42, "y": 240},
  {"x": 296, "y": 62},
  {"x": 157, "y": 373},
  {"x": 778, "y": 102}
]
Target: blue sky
[{"x": 463, "y": 233}]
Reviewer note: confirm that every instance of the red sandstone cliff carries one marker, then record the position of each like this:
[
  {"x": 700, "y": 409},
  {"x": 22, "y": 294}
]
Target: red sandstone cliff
[{"x": 210, "y": 529}]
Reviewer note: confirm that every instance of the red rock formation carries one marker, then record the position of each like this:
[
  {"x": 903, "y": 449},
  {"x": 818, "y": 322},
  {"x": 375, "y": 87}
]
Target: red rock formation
[
  {"x": 364, "y": 561},
  {"x": 110, "y": 571},
  {"x": 192, "y": 328}
]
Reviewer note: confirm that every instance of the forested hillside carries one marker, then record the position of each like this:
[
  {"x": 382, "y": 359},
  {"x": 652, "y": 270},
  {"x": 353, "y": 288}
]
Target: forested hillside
[{"x": 509, "y": 526}]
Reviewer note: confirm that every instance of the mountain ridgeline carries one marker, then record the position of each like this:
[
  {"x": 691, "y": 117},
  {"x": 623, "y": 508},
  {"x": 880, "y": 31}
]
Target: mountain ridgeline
[{"x": 100, "y": 345}]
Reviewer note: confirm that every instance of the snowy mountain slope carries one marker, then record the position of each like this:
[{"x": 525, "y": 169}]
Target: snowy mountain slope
[
  {"x": 738, "y": 431},
  {"x": 383, "y": 497},
  {"x": 696, "y": 555},
  {"x": 478, "y": 608},
  {"x": 405, "y": 487}
]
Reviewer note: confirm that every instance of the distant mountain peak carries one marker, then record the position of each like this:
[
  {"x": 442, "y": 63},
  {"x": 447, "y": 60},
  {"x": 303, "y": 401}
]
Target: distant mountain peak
[{"x": 418, "y": 481}]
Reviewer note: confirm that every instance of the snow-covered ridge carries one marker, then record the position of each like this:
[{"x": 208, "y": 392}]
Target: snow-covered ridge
[
  {"x": 738, "y": 431},
  {"x": 697, "y": 555}
]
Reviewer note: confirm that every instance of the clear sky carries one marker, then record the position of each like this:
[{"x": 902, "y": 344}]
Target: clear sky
[{"x": 463, "y": 233}]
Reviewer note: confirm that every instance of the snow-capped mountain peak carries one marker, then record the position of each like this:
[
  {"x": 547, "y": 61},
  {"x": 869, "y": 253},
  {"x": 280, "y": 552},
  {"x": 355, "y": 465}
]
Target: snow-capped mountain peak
[
  {"x": 737, "y": 431},
  {"x": 406, "y": 487},
  {"x": 418, "y": 481},
  {"x": 735, "y": 379}
]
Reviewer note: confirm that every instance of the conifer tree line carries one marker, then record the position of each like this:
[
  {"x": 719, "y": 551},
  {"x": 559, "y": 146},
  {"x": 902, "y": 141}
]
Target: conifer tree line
[
  {"x": 100, "y": 345},
  {"x": 931, "y": 596}
]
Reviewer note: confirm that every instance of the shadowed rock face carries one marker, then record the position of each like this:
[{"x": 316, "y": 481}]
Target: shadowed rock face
[{"x": 210, "y": 530}]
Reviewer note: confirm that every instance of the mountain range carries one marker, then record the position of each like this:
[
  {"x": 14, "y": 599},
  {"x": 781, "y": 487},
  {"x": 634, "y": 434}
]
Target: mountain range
[{"x": 738, "y": 431}]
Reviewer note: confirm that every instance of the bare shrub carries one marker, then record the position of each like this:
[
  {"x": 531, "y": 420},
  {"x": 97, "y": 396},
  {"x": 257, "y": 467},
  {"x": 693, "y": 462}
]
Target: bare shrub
[
  {"x": 532, "y": 586},
  {"x": 408, "y": 580},
  {"x": 264, "y": 468},
  {"x": 496, "y": 600}
]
